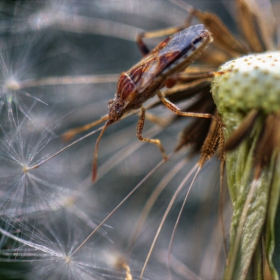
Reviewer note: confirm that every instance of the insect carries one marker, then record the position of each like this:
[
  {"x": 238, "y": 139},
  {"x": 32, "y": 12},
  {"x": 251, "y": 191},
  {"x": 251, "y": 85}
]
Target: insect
[{"x": 145, "y": 79}]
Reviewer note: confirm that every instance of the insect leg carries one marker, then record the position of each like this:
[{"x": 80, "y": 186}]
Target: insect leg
[
  {"x": 185, "y": 77},
  {"x": 223, "y": 38},
  {"x": 192, "y": 74},
  {"x": 177, "y": 111},
  {"x": 159, "y": 33},
  {"x": 68, "y": 135},
  {"x": 155, "y": 119},
  {"x": 189, "y": 77},
  {"x": 139, "y": 131}
]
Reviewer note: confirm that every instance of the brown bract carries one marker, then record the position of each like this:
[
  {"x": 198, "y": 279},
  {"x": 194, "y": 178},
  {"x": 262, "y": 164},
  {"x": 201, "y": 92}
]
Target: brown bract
[
  {"x": 256, "y": 23},
  {"x": 256, "y": 126}
]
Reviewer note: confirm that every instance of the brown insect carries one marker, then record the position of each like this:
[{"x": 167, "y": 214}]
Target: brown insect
[{"x": 145, "y": 79}]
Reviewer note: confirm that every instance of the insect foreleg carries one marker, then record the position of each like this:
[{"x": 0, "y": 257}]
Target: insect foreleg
[
  {"x": 139, "y": 131},
  {"x": 68, "y": 135}
]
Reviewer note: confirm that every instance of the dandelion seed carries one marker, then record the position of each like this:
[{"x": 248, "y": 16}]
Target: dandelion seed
[
  {"x": 36, "y": 205},
  {"x": 14, "y": 66},
  {"x": 50, "y": 246},
  {"x": 25, "y": 192}
]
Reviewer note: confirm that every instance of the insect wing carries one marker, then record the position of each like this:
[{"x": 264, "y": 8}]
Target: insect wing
[{"x": 172, "y": 55}]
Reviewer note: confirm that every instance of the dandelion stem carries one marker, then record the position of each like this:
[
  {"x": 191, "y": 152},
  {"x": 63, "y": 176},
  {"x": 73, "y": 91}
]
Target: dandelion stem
[
  {"x": 150, "y": 202},
  {"x": 165, "y": 215},
  {"x": 177, "y": 222},
  {"x": 68, "y": 80}
]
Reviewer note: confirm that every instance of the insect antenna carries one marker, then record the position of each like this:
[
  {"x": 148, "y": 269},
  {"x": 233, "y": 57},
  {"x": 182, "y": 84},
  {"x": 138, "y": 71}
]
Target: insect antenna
[
  {"x": 70, "y": 134},
  {"x": 60, "y": 151},
  {"x": 95, "y": 156}
]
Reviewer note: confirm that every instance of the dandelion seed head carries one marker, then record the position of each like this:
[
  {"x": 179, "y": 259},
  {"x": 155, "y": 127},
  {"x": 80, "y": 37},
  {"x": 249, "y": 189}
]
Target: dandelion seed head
[
  {"x": 25, "y": 168},
  {"x": 112, "y": 258},
  {"x": 37, "y": 15},
  {"x": 249, "y": 82},
  {"x": 67, "y": 259},
  {"x": 26, "y": 191},
  {"x": 41, "y": 20},
  {"x": 12, "y": 84},
  {"x": 17, "y": 63}
]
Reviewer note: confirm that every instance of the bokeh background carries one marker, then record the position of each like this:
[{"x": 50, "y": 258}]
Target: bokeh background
[{"x": 59, "y": 65}]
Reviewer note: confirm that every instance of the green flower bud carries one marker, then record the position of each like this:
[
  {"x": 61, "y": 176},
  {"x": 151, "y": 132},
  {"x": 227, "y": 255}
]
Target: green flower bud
[{"x": 249, "y": 82}]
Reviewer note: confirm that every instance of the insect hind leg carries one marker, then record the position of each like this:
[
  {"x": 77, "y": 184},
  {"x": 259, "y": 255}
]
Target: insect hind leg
[
  {"x": 139, "y": 131},
  {"x": 177, "y": 111}
]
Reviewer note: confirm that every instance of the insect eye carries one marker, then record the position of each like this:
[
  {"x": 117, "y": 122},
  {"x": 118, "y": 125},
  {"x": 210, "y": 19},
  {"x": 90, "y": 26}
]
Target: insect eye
[{"x": 118, "y": 109}]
